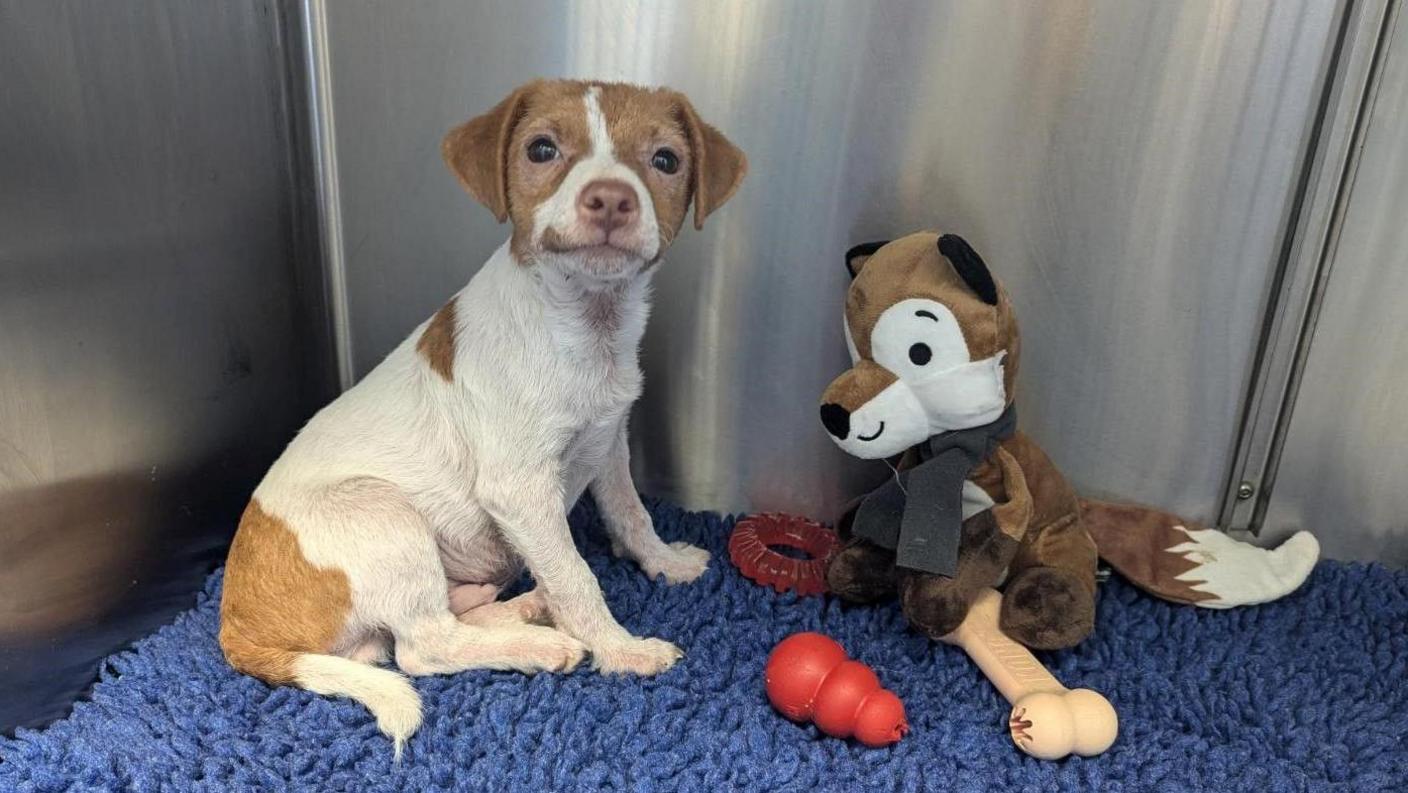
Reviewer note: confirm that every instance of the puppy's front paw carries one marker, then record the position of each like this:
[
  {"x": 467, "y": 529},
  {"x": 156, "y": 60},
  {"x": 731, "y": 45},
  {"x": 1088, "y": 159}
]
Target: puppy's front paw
[
  {"x": 679, "y": 562},
  {"x": 636, "y": 657}
]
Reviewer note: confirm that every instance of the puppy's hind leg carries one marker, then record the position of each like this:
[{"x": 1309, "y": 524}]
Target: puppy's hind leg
[
  {"x": 398, "y": 581},
  {"x": 530, "y": 608},
  {"x": 465, "y": 598},
  {"x": 444, "y": 645}
]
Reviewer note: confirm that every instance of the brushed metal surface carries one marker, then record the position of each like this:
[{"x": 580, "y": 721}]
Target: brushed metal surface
[
  {"x": 155, "y": 348},
  {"x": 321, "y": 125},
  {"x": 1127, "y": 168},
  {"x": 1330, "y": 166},
  {"x": 1344, "y": 465}
]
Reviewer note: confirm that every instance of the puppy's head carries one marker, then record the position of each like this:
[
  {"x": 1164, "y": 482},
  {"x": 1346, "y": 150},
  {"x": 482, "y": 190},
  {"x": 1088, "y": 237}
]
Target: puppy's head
[{"x": 596, "y": 177}]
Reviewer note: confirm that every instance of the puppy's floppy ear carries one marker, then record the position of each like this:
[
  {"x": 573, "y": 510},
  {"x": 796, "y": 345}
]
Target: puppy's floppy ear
[
  {"x": 969, "y": 266},
  {"x": 477, "y": 151},
  {"x": 858, "y": 255},
  {"x": 719, "y": 166}
]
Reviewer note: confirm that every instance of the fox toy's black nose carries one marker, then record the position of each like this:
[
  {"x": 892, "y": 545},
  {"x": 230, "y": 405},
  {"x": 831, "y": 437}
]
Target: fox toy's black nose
[{"x": 837, "y": 420}]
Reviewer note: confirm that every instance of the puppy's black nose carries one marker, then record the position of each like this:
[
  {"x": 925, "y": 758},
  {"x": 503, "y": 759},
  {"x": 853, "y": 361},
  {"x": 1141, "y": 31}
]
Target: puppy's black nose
[{"x": 837, "y": 420}]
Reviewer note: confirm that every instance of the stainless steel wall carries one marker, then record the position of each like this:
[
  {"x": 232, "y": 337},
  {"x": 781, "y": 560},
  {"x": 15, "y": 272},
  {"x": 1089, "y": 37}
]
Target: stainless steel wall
[
  {"x": 1129, "y": 169},
  {"x": 1345, "y": 463},
  {"x": 158, "y": 339},
  {"x": 1126, "y": 167}
]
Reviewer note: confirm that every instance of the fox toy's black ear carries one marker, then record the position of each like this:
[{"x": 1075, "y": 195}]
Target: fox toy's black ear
[
  {"x": 857, "y": 256},
  {"x": 969, "y": 266}
]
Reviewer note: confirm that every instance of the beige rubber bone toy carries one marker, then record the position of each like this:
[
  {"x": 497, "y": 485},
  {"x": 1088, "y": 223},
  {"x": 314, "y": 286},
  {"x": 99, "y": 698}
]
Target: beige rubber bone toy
[{"x": 1048, "y": 721}]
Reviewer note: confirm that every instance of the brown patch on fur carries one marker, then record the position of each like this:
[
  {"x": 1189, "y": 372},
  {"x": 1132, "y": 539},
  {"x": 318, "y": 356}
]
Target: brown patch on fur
[
  {"x": 1135, "y": 541},
  {"x": 489, "y": 153},
  {"x": 476, "y": 151},
  {"x": 555, "y": 109},
  {"x": 276, "y": 605},
  {"x": 719, "y": 166},
  {"x": 640, "y": 122},
  {"x": 912, "y": 267},
  {"x": 437, "y": 342}
]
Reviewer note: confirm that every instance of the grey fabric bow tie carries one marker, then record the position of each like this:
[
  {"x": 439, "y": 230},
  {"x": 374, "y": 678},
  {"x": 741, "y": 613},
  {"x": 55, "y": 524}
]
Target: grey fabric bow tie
[{"x": 919, "y": 515}]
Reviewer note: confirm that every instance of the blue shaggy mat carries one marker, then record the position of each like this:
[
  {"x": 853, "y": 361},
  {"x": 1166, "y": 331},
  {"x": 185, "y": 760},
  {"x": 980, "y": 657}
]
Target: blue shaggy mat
[{"x": 1309, "y": 693}]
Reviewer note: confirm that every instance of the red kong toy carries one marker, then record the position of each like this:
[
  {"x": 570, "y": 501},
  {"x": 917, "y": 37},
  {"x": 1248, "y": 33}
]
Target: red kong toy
[{"x": 809, "y": 678}]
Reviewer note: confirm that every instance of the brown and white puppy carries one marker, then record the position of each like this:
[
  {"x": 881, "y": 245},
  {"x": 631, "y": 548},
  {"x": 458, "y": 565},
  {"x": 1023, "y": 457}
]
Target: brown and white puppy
[{"x": 394, "y": 519}]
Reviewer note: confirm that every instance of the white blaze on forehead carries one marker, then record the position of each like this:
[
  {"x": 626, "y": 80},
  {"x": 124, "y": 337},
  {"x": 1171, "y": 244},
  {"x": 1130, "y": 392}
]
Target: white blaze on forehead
[
  {"x": 596, "y": 124},
  {"x": 559, "y": 211}
]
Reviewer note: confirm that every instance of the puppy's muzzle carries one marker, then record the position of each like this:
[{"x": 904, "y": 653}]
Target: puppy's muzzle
[{"x": 608, "y": 204}]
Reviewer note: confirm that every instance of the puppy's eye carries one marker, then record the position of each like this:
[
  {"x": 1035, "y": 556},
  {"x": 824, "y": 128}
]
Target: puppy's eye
[
  {"x": 542, "y": 150},
  {"x": 665, "y": 161},
  {"x": 920, "y": 354}
]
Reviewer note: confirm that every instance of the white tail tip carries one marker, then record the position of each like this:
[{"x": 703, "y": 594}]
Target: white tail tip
[
  {"x": 1240, "y": 574},
  {"x": 388, "y": 695}
]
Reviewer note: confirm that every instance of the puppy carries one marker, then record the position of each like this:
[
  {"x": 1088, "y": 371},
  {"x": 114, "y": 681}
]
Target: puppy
[{"x": 393, "y": 520}]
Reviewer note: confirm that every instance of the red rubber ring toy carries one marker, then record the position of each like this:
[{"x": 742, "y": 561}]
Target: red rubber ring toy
[{"x": 748, "y": 548}]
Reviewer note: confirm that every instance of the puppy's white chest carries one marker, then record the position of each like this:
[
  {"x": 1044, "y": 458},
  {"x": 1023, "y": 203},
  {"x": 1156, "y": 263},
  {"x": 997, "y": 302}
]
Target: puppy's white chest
[
  {"x": 598, "y": 407},
  {"x": 595, "y": 336},
  {"x": 596, "y": 327},
  {"x": 590, "y": 443}
]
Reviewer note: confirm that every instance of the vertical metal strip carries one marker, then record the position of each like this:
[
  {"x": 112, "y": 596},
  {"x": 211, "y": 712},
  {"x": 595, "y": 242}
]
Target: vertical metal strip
[
  {"x": 324, "y": 162},
  {"x": 1335, "y": 140}
]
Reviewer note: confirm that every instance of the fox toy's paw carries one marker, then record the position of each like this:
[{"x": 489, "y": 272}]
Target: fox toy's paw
[
  {"x": 1048, "y": 608},
  {"x": 935, "y": 605},
  {"x": 862, "y": 572}
]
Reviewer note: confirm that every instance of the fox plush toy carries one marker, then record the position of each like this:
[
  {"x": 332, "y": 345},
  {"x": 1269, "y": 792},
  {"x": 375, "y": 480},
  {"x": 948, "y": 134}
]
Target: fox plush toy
[{"x": 935, "y": 345}]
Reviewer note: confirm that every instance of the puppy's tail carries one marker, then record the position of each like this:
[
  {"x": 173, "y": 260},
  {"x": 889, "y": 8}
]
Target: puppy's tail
[
  {"x": 388, "y": 695},
  {"x": 1177, "y": 560}
]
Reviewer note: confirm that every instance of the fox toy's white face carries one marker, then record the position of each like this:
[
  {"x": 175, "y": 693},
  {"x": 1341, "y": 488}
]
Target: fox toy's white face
[
  {"x": 933, "y": 343},
  {"x": 934, "y": 384}
]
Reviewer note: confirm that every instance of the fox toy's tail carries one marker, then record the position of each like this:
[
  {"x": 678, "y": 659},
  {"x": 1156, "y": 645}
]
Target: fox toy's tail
[{"x": 1173, "y": 559}]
